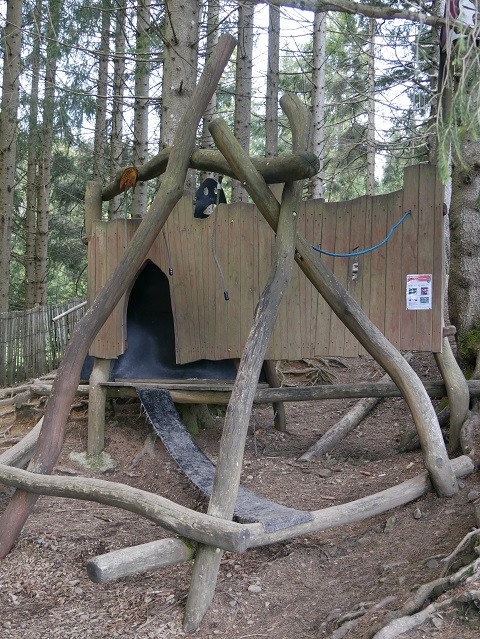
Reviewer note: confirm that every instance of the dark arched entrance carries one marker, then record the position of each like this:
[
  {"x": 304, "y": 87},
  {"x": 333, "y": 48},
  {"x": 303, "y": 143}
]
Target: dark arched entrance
[{"x": 150, "y": 350}]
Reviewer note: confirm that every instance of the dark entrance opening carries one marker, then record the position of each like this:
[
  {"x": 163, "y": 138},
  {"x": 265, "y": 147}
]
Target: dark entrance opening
[{"x": 151, "y": 337}]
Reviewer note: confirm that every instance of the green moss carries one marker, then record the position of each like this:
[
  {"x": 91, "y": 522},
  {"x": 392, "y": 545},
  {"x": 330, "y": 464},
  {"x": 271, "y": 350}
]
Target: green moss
[{"x": 468, "y": 345}]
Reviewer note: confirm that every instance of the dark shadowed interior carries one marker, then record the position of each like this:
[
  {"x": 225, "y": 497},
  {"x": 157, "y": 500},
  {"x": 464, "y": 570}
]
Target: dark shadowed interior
[{"x": 151, "y": 338}]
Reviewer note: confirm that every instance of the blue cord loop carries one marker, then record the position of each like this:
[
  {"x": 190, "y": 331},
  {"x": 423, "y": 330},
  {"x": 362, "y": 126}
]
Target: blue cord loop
[{"x": 372, "y": 248}]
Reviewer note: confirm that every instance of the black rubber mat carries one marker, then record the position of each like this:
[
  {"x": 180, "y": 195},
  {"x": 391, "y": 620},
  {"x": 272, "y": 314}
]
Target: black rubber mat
[{"x": 200, "y": 470}]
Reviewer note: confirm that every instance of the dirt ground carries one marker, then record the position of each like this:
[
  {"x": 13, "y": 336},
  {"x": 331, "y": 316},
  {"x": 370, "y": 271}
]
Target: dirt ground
[{"x": 298, "y": 588}]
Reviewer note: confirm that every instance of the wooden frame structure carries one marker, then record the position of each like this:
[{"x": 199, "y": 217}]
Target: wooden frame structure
[{"x": 214, "y": 531}]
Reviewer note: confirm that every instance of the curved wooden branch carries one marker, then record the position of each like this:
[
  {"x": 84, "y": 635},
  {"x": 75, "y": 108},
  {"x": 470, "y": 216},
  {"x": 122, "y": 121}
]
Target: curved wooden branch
[
  {"x": 217, "y": 532},
  {"x": 378, "y": 11},
  {"x": 356, "y": 320},
  {"x": 171, "y": 189},
  {"x": 457, "y": 392},
  {"x": 171, "y": 516},
  {"x": 232, "y": 445}
]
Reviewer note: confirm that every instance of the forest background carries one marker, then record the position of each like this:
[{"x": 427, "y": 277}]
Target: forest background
[{"x": 90, "y": 87}]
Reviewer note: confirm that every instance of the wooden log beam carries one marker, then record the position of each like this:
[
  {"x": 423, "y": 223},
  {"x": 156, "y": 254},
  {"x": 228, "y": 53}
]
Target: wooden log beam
[
  {"x": 457, "y": 392},
  {"x": 20, "y": 454},
  {"x": 227, "y": 535},
  {"x": 345, "y": 514},
  {"x": 356, "y": 320},
  {"x": 346, "y": 424},
  {"x": 194, "y": 393},
  {"x": 276, "y": 170},
  {"x": 170, "y": 191},
  {"x": 139, "y": 559},
  {"x": 232, "y": 444},
  {"x": 185, "y": 522}
]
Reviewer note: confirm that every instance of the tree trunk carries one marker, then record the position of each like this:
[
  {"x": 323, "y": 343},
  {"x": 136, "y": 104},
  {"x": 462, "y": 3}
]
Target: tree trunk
[
  {"x": 32, "y": 185},
  {"x": 8, "y": 138},
  {"x": 102, "y": 88},
  {"x": 318, "y": 100},
  {"x": 116, "y": 143},
  {"x": 370, "y": 178},
  {"x": 212, "y": 38},
  {"x": 271, "y": 100},
  {"x": 179, "y": 67},
  {"x": 140, "y": 109},
  {"x": 243, "y": 88},
  {"x": 45, "y": 168},
  {"x": 464, "y": 290}
]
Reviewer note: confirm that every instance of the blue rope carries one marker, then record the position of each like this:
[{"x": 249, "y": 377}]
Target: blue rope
[{"x": 365, "y": 250}]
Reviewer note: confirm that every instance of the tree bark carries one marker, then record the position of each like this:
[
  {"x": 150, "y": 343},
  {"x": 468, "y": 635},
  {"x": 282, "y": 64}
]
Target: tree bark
[
  {"x": 318, "y": 100},
  {"x": 271, "y": 99},
  {"x": 206, "y": 142},
  {"x": 99, "y": 140},
  {"x": 463, "y": 289},
  {"x": 116, "y": 142},
  {"x": 8, "y": 139},
  {"x": 243, "y": 88},
  {"x": 140, "y": 108},
  {"x": 32, "y": 186},
  {"x": 370, "y": 178},
  {"x": 179, "y": 67},
  {"x": 45, "y": 168}
]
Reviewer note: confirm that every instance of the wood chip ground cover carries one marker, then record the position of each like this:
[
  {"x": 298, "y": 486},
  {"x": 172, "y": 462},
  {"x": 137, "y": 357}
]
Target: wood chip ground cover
[{"x": 297, "y": 588}]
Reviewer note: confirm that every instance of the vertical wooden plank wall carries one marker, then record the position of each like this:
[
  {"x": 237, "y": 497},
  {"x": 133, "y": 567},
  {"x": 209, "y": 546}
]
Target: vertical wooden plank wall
[{"x": 207, "y": 326}]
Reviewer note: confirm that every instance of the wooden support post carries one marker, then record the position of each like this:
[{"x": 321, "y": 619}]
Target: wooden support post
[
  {"x": 96, "y": 406},
  {"x": 278, "y": 407},
  {"x": 169, "y": 193},
  {"x": 138, "y": 559},
  {"x": 355, "y": 319},
  {"x": 457, "y": 392},
  {"x": 232, "y": 445},
  {"x": 93, "y": 207}
]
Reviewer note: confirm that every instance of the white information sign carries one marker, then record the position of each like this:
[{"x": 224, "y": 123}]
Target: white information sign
[{"x": 419, "y": 292}]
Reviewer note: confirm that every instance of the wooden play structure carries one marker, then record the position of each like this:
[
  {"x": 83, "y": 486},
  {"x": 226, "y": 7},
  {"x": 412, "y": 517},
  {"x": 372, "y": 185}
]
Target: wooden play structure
[{"x": 328, "y": 314}]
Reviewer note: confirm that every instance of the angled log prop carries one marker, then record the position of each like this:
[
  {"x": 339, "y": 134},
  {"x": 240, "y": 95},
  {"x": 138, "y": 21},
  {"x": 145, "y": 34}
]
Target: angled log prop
[
  {"x": 171, "y": 189},
  {"x": 354, "y": 318},
  {"x": 237, "y": 418}
]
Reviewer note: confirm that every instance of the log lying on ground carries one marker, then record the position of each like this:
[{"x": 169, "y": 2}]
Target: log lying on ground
[
  {"x": 351, "y": 420},
  {"x": 139, "y": 559},
  {"x": 214, "y": 531}
]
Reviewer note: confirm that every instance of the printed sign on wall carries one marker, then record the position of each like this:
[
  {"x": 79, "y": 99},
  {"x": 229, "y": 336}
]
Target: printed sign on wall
[{"x": 419, "y": 292}]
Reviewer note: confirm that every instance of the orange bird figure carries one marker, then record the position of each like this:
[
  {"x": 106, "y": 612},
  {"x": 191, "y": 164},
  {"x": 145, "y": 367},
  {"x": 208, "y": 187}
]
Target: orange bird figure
[{"x": 129, "y": 179}]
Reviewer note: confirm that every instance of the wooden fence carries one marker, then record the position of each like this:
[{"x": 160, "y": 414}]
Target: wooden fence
[{"x": 31, "y": 343}]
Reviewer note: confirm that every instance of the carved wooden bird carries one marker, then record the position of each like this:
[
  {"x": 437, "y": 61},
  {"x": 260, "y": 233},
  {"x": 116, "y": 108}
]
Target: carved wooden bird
[{"x": 129, "y": 179}]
